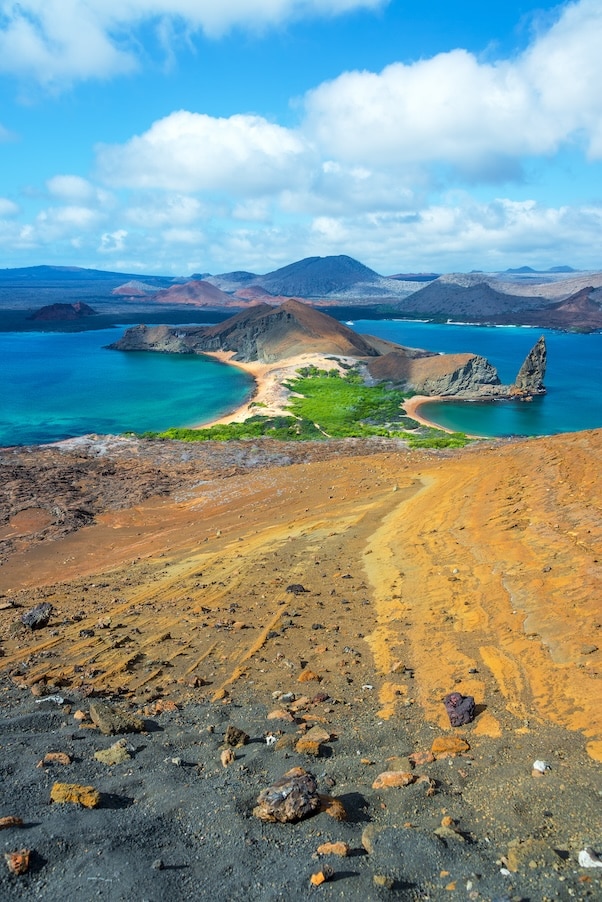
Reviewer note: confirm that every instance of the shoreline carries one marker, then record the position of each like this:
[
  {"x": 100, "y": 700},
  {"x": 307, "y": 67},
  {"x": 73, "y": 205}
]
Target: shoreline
[{"x": 413, "y": 406}]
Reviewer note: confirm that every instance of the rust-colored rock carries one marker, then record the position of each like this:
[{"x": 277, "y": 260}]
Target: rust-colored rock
[
  {"x": 334, "y": 848},
  {"x": 235, "y": 737},
  {"x": 10, "y": 821},
  {"x": 86, "y": 796},
  {"x": 322, "y": 876},
  {"x": 307, "y": 676},
  {"x": 333, "y": 807},
  {"x": 449, "y": 746},
  {"x": 227, "y": 757},
  {"x": 393, "y": 778},
  {"x": 54, "y": 758},
  {"x": 307, "y": 746}
]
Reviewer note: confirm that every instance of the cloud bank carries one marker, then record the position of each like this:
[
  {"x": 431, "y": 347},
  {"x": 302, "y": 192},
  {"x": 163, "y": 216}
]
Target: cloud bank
[
  {"x": 59, "y": 41},
  {"x": 423, "y": 163}
]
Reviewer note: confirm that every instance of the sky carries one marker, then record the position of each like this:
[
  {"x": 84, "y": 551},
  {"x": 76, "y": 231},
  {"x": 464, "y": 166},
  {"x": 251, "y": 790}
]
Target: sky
[{"x": 194, "y": 136}]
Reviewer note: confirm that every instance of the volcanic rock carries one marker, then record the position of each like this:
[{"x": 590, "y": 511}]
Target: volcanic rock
[{"x": 291, "y": 798}]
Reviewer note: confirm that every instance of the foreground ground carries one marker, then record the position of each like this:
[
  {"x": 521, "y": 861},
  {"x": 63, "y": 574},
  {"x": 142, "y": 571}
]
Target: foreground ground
[{"x": 360, "y": 582}]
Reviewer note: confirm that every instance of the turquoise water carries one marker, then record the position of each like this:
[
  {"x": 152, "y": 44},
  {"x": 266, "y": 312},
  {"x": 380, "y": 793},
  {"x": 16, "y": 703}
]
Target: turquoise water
[
  {"x": 59, "y": 385},
  {"x": 573, "y": 379}
]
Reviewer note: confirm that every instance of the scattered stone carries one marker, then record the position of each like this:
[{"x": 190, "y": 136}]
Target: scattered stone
[
  {"x": 235, "y": 738},
  {"x": 227, "y": 757},
  {"x": 285, "y": 743},
  {"x": 369, "y": 834},
  {"x": 118, "y": 753},
  {"x": 296, "y": 589},
  {"x": 321, "y": 876},
  {"x": 318, "y": 734},
  {"x": 383, "y": 881},
  {"x": 161, "y": 706},
  {"x": 111, "y": 721},
  {"x": 281, "y": 714},
  {"x": 78, "y": 795},
  {"x": 54, "y": 758},
  {"x": 333, "y": 807},
  {"x": 420, "y": 758},
  {"x": 18, "y": 862},
  {"x": 334, "y": 848},
  {"x": 449, "y": 746},
  {"x": 399, "y": 762},
  {"x": 220, "y": 695},
  {"x": 393, "y": 778},
  {"x": 589, "y": 859},
  {"x": 307, "y": 676},
  {"x": 51, "y": 699},
  {"x": 307, "y": 746},
  {"x": 37, "y": 617},
  {"x": 158, "y": 864},
  {"x": 291, "y": 798},
  {"x": 540, "y": 768},
  {"x": 460, "y": 708},
  {"x": 80, "y": 715},
  {"x": 10, "y": 821}
]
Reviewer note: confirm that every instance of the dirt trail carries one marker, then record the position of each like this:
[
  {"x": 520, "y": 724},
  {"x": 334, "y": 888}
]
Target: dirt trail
[{"x": 475, "y": 570}]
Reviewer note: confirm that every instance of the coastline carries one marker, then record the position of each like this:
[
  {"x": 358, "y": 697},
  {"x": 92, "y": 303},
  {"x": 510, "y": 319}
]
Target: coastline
[{"x": 413, "y": 406}]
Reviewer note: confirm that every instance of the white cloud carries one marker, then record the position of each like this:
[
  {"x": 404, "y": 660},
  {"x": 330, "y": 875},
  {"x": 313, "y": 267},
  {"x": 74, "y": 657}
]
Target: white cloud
[
  {"x": 112, "y": 242},
  {"x": 193, "y": 152},
  {"x": 8, "y": 208},
  {"x": 151, "y": 211},
  {"x": 477, "y": 117},
  {"x": 77, "y": 190},
  {"x": 57, "y": 41}
]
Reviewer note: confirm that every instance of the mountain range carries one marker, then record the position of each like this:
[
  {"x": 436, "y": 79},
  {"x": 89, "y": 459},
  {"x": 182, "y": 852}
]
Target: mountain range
[{"x": 560, "y": 298}]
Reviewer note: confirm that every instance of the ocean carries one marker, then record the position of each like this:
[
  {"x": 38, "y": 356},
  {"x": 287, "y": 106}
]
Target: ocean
[{"x": 59, "y": 385}]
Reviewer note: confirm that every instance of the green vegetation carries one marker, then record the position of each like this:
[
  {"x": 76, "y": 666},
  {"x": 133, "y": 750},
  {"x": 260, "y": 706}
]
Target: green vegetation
[{"x": 326, "y": 404}]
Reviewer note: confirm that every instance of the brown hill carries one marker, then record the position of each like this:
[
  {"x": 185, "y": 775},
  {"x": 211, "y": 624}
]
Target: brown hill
[
  {"x": 60, "y": 313},
  {"x": 197, "y": 293},
  {"x": 581, "y": 312}
]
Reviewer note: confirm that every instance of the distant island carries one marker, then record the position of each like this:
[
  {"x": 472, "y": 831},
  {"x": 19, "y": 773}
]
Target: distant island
[
  {"x": 559, "y": 298},
  {"x": 58, "y": 313},
  {"x": 275, "y": 343}
]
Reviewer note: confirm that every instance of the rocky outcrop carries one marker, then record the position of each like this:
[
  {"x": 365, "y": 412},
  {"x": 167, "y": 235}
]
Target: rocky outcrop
[
  {"x": 269, "y": 334},
  {"x": 61, "y": 313},
  {"x": 532, "y": 373},
  {"x": 262, "y": 333}
]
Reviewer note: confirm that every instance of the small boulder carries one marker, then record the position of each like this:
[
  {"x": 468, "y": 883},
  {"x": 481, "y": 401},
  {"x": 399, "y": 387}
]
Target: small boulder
[
  {"x": 291, "y": 798},
  {"x": 460, "y": 708},
  {"x": 37, "y": 617},
  {"x": 110, "y": 720},
  {"x": 76, "y": 794}
]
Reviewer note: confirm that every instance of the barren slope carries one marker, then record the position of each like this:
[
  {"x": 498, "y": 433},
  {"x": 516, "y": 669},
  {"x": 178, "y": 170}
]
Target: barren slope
[{"x": 423, "y": 572}]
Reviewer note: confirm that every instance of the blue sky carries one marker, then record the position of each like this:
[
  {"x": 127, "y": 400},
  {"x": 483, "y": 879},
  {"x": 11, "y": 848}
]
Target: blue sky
[{"x": 180, "y": 136}]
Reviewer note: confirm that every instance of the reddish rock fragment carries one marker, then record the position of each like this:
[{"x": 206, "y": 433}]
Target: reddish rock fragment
[
  {"x": 18, "y": 862},
  {"x": 393, "y": 778},
  {"x": 449, "y": 746},
  {"x": 334, "y": 848},
  {"x": 78, "y": 795},
  {"x": 54, "y": 758},
  {"x": 333, "y": 808},
  {"x": 10, "y": 821}
]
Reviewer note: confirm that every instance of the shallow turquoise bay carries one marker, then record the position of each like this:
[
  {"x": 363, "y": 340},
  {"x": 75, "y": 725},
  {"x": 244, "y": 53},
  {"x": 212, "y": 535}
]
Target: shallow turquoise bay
[{"x": 59, "y": 385}]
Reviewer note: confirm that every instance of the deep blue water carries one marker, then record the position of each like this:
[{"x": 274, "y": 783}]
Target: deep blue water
[
  {"x": 57, "y": 385},
  {"x": 573, "y": 379}
]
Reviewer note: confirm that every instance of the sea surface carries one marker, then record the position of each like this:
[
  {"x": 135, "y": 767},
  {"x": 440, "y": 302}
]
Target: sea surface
[
  {"x": 573, "y": 380},
  {"x": 59, "y": 385}
]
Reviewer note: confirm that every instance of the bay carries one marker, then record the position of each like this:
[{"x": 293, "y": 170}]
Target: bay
[
  {"x": 573, "y": 380},
  {"x": 57, "y": 385}
]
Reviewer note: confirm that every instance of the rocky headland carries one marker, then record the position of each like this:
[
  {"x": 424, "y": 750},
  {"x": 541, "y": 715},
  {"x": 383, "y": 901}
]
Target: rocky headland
[{"x": 271, "y": 335}]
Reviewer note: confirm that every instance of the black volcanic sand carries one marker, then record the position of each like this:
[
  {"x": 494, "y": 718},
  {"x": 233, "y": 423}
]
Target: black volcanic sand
[{"x": 175, "y": 824}]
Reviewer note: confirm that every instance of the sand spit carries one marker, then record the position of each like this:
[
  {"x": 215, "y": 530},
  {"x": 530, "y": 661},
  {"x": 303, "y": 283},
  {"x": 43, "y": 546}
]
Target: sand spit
[{"x": 348, "y": 585}]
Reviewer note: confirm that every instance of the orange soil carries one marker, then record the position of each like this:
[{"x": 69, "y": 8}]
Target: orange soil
[{"x": 487, "y": 559}]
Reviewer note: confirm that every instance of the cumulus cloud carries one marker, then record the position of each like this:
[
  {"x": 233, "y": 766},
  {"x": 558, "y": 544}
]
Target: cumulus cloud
[
  {"x": 58, "y": 41},
  {"x": 8, "y": 208},
  {"x": 457, "y": 111},
  {"x": 195, "y": 152}
]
